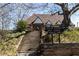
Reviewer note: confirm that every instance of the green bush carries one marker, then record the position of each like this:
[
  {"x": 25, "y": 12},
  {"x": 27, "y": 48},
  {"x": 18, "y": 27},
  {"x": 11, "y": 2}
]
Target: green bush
[
  {"x": 68, "y": 36},
  {"x": 21, "y": 26}
]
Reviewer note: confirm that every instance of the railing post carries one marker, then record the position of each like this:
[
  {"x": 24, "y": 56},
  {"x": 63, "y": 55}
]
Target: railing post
[
  {"x": 59, "y": 38},
  {"x": 52, "y": 38}
]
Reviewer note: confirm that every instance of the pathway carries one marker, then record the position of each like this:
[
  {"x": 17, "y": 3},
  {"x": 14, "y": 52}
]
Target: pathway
[{"x": 29, "y": 42}]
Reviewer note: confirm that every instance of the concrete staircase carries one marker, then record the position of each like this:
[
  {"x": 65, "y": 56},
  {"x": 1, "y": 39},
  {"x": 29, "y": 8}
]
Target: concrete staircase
[{"x": 29, "y": 43}]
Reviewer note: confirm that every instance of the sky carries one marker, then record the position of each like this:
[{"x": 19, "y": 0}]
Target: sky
[
  {"x": 55, "y": 8},
  {"x": 75, "y": 18},
  {"x": 51, "y": 7}
]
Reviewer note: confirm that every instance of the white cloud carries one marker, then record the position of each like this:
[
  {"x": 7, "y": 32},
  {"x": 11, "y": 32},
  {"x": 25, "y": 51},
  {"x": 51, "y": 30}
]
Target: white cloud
[{"x": 75, "y": 18}]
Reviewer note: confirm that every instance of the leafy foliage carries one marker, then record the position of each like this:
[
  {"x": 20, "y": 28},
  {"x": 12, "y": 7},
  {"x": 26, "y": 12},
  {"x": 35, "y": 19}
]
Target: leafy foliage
[
  {"x": 21, "y": 26},
  {"x": 8, "y": 47},
  {"x": 68, "y": 36}
]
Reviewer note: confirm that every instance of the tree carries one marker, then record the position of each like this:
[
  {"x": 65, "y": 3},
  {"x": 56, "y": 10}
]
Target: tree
[
  {"x": 21, "y": 26},
  {"x": 67, "y": 13},
  {"x": 3, "y": 21}
]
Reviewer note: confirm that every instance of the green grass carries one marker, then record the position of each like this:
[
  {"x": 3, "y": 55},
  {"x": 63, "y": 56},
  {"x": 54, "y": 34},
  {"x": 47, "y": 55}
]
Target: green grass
[
  {"x": 70, "y": 36},
  {"x": 8, "y": 46}
]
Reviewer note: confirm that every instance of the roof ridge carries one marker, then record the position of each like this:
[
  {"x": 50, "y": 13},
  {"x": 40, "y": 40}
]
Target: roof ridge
[
  {"x": 45, "y": 18},
  {"x": 46, "y": 14}
]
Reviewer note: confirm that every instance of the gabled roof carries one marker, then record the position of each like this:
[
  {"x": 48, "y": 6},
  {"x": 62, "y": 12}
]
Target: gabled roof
[
  {"x": 58, "y": 22},
  {"x": 38, "y": 20},
  {"x": 48, "y": 22},
  {"x": 45, "y": 17}
]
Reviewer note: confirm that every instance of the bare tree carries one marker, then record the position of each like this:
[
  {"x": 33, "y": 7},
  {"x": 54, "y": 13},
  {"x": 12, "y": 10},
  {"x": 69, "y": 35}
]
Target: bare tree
[{"x": 67, "y": 13}]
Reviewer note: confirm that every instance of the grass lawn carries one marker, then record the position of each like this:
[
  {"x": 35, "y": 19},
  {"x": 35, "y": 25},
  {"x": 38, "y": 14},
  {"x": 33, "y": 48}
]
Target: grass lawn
[
  {"x": 8, "y": 46},
  {"x": 70, "y": 36}
]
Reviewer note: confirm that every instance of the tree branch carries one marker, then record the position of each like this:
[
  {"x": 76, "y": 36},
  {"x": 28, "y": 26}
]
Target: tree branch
[
  {"x": 60, "y": 4},
  {"x": 4, "y": 5},
  {"x": 32, "y": 6},
  {"x": 74, "y": 9}
]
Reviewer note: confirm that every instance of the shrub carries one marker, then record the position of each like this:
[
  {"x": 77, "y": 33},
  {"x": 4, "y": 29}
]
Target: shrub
[{"x": 21, "y": 26}]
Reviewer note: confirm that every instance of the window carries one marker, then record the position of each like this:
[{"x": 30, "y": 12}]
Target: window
[{"x": 48, "y": 26}]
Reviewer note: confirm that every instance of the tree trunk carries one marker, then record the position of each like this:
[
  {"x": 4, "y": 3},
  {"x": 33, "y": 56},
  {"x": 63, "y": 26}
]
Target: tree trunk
[{"x": 66, "y": 13}]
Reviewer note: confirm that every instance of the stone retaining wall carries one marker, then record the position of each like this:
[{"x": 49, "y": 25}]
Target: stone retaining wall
[{"x": 60, "y": 50}]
